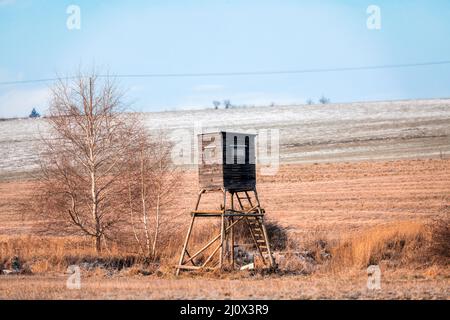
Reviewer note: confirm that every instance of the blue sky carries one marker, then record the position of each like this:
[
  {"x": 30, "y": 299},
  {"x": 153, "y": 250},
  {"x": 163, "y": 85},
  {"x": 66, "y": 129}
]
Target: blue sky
[{"x": 129, "y": 37}]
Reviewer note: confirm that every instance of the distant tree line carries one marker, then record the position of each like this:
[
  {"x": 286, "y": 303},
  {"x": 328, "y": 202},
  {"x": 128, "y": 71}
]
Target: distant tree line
[
  {"x": 322, "y": 100},
  {"x": 227, "y": 103}
]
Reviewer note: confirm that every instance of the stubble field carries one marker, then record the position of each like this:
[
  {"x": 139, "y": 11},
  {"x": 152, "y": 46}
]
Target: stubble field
[
  {"x": 335, "y": 200},
  {"x": 325, "y": 189}
]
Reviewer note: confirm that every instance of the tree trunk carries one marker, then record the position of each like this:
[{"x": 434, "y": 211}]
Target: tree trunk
[
  {"x": 158, "y": 207},
  {"x": 144, "y": 207},
  {"x": 98, "y": 244},
  {"x": 155, "y": 240},
  {"x": 92, "y": 169}
]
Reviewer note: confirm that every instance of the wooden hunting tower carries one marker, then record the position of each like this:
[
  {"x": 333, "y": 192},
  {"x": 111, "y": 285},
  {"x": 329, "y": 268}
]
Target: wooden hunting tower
[{"x": 227, "y": 163}]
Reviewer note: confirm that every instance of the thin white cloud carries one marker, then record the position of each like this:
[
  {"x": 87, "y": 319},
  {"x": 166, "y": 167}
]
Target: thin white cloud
[{"x": 19, "y": 102}]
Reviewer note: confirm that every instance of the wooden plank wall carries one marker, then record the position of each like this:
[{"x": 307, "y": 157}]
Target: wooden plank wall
[
  {"x": 239, "y": 172},
  {"x": 210, "y": 169}
]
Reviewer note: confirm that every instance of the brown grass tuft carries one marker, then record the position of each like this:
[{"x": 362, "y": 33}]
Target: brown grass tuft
[{"x": 396, "y": 243}]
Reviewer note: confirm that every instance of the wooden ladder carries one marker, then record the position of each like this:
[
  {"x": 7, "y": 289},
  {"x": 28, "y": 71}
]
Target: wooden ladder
[{"x": 256, "y": 226}]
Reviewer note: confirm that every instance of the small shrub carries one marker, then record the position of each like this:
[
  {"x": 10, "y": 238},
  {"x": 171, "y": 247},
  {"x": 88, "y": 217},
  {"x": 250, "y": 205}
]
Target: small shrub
[
  {"x": 439, "y": 234},
  {"x": 277, "y": 234}
]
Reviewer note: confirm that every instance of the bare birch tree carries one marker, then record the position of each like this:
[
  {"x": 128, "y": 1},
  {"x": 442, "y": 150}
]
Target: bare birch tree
[
  {"x": 151, "y": 187},
  {"x": 85, "y": 158}
]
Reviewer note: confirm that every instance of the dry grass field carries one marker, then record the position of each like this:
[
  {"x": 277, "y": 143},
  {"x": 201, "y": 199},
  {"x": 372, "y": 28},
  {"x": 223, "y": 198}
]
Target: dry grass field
[
  {"x": 346, "y": 215},
  {"x": 359, "y": 184},
  {"x": 399, "y": 284}
]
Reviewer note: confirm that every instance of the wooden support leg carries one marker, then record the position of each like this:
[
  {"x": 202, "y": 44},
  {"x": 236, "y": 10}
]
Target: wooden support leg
[
  {"x": 232, "y": 243},
  {"x": 222, "y": 229},
  {"x": 232, "y": 234},
  {"x": 249, "y": 199},
  {"x": 198, "y": 198},
  {"x": 186, "y": 241},
  {"x": 256, "y": 197}
]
